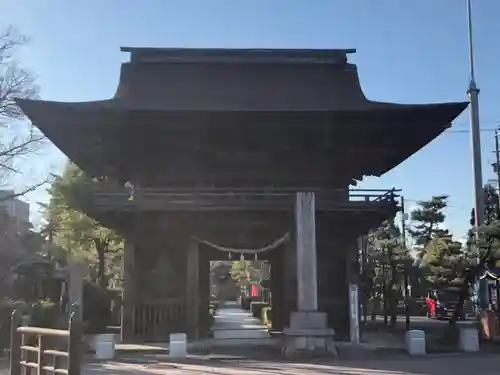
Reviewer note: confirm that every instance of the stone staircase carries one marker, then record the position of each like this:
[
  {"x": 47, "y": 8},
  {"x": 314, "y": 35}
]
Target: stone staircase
[{"x": 235, "y": 326}]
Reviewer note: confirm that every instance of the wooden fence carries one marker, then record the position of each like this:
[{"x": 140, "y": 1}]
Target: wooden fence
[
  {"x": 154, "y": 320},
  {"x": 34, "y": 350}
]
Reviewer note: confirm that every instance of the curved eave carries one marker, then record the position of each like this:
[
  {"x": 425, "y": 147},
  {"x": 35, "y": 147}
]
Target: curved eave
[
  {"x": 414, "y": 126},
  {"x": 71, "y": 126},
  {"x": 83, "y": 131}
]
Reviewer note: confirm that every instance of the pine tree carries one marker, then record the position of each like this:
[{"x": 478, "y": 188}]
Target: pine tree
[
  {"x": 488, "y": 229},
  {"x": 491, "y": 206},
  {"x": 429, "y": 218},
  {"x": 386, "y": 264},
  {"x": 444, "y": 261}
]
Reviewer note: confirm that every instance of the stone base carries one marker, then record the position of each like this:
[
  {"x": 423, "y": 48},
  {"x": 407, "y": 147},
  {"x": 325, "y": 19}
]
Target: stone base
[
  {"x": 308, "y": 335},
  {"x": 308, "y": 320}
]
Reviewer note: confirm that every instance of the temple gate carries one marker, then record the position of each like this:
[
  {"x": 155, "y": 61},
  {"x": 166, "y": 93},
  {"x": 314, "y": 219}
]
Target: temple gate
[{"x": 238, "y": 148}]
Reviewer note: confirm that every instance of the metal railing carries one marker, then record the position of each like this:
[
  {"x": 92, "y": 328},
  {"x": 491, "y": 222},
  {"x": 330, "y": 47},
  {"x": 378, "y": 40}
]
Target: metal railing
[
  {"x": 29, "y": 348},
  {"x": 236, "y": 199}
]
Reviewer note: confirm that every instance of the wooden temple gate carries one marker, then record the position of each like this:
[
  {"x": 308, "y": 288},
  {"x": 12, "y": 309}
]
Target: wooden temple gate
[
  {"x": 218, "y": 127},
  {"x": 153, "y": 318}
]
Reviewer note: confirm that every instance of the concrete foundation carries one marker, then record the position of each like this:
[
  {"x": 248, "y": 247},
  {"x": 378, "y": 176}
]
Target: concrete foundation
[{"x": 308, "y": 335}]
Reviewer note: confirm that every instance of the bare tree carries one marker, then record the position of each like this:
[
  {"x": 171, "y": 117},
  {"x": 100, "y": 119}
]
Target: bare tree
[{"x": 18, "y": 138}]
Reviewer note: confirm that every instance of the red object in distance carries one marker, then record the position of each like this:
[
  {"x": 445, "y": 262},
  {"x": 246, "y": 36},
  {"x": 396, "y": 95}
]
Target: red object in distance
[
  {"x": 431, "y": 306},
  {"x": 255, "y": 291}
]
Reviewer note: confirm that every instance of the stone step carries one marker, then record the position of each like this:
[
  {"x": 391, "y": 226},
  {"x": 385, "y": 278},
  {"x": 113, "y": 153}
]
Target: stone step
[
  {"x": 240, "y": 333},
  {"x": 252, "y": 342}
]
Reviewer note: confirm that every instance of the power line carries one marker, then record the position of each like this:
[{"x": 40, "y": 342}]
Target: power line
[
  {"x": 456, "y": 128},
  {"x": 467, "y": 131}
]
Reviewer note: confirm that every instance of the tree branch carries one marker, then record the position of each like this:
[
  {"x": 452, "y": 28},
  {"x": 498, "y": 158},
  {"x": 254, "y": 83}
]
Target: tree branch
[
  {"x": 15, "y": 82},
  {"x": 24, "y": 191}
]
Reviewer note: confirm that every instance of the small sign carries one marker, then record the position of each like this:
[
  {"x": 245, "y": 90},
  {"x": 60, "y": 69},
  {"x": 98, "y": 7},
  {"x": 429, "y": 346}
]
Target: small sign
[{"x": 354, "y": 307}]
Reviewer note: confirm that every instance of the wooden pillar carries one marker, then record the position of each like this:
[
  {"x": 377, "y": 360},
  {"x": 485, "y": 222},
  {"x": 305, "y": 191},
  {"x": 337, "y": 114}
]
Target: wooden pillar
[
  {"x": 15, "y": 343},
  {"x": 277, "y": 290},
  {"x": 289, "y": 260},
  {"x": 204, "y": 294},
  {"x": 192, "y": 288},
  {"x": 334, "y": 276},
  {"x": 75, "y": 357},
  {"x": 265, "y": 274},
  {"x": 129, "y": 292}
]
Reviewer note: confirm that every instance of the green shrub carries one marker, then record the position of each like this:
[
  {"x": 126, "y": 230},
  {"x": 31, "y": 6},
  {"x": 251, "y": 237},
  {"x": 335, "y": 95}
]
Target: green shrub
[
  {"x": 266, "y": 316},
  {"x": 96, "y": 308},
  {"x": 44, "y": 313},
  {"x": 256, "y": 308}
]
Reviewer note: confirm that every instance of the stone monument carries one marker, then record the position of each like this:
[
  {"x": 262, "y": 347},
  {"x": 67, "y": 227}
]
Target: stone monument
[{"x": 308, "y": 333}]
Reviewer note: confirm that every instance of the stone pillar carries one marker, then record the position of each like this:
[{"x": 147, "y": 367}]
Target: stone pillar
[
  {"x": 307, "y": 280},
  {"x": 308, "y": 332},
  {"x": 192, "y": 288},
  {"x": 77, "y": 272},
  {"x": 129, "y": 292}
]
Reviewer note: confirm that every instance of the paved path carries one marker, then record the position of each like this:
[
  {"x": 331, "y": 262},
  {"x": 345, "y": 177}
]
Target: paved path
[
  {"x": 456, "y": 365},
  {"x": 152, "y": 365},
  {"x": 232, "y": 322}
]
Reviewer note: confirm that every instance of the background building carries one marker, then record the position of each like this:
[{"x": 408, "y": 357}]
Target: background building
[{"x": 14, "y": 206}]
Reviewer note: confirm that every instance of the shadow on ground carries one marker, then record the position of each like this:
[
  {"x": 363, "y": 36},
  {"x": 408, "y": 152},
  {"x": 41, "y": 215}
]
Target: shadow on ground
[{"x": 160, "y": 364}]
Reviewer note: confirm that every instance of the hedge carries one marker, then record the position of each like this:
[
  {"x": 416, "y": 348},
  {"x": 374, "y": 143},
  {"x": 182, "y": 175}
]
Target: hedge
[
  {"x": 266, "y": 316},
  {"x": 256, "y": 308},
  {"x": 44, "y": 313}
]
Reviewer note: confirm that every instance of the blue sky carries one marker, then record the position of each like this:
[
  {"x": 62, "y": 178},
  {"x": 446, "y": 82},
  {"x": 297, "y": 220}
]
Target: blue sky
[{"x": 408, "y": 51}]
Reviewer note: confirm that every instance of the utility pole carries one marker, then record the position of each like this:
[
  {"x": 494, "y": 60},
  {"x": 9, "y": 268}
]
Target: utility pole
[
  {"x": 364, "y": 262},
  {"x": 473, "y": 93},
  {"x": 497, "y": 159},
  {"x": 497, "y": 171},
  {"x": 406, "y": 276},
  {"x": 384, "y": 288}
]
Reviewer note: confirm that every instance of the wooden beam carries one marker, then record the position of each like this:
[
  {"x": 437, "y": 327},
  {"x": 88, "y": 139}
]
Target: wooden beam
[{"x": 192, "y": 288}]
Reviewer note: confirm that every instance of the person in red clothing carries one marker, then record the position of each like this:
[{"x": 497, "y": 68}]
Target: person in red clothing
[{"x": 441, "y": 303}]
